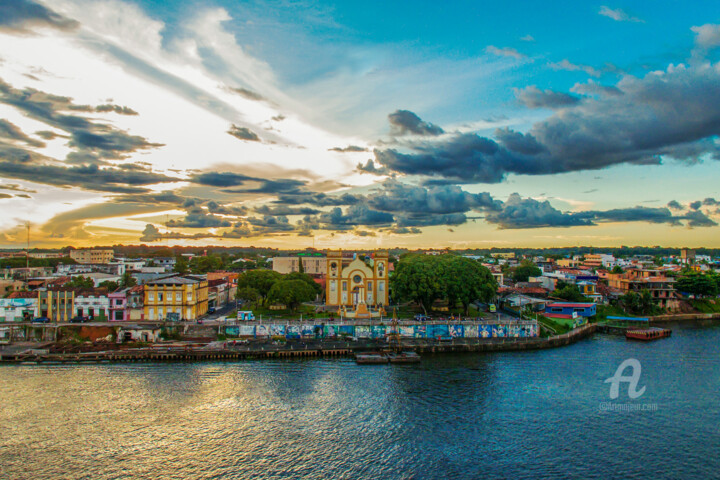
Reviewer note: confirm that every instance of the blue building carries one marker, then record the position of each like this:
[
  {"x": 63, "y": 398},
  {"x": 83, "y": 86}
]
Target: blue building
[{"x": 566, "y": 310}]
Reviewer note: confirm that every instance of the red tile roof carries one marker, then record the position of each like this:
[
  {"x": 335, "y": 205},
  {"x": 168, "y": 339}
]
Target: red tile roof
[{"x": 23, "y": 295}]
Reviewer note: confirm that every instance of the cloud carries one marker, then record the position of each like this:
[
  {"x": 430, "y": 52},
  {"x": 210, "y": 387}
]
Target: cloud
[
  {"x": 594, "y": 88},
  {"x": 405, "y": 231},
  {"x": 348, "y": 149},
  {"x": 282, "y": 185},
  {"x": 708, "y": 35},
  {"x": 636, "y": 214},
  {"x": 221, "y": 179},
  {"x": 504, "y": 52},
  {"x": 286, "y": 210},
  {"x": 245, "y": 93},
  {"x": 527, "y": 38},
  {"x": 443, "y": 199},
  {"x": 243, "y": 133},
  {"x": 152, "y": 234},
  {"x": 199, "y": 219},
  {"x": 11, "y": 131},
  {"x": 533, "y": 97},
  {"x": 14, "y": 187},
  {"x": 22, "y": 16},
  {"x": 574, "y": 67},
  {"x": 319, "y": 199},
  {"x": 618, "y": 15},
  {"x": 695, "y": 205},
  {"x": 88, "y": 177},
  {"x": 5, "y": 195},
  {"x": 699, "y": 219},
  {"x": 642, "y": 126},
  {"x": 120, "y": 110},
  {"x": 711, "y": 202},
  {"x": 354, "y": 215},
  {"x": 404, "y": 122},
  {"x": 518, "y": 212}
]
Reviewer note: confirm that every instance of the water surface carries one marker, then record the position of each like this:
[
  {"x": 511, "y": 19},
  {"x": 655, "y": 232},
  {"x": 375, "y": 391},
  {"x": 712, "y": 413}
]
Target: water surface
[{"x": 502, "y": 415}]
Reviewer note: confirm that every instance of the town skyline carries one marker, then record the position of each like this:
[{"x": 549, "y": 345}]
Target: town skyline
[{"x": 323, "y": 125}]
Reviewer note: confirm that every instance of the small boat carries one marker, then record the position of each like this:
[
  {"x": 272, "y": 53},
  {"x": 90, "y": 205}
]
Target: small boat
[
  {"x": 646, "y": 334},
  {"x": 370, "y": 358},
  {"x": 403, "y": 357}
]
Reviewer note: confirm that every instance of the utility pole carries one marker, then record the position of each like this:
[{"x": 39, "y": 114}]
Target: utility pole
[{"x": 27, "y": 250}]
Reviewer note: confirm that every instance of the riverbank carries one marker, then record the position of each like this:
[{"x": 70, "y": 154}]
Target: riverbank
[{"x": 233, "y": 350}]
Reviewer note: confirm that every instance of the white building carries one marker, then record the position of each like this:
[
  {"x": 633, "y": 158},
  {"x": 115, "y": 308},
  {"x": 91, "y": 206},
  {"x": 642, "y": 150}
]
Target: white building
[
  {"x": 17, "y": 309},
  {"x": 92, "y": 304}
]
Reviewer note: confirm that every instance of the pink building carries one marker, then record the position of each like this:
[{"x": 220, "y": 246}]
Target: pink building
[{"x": 118, "y": 302}]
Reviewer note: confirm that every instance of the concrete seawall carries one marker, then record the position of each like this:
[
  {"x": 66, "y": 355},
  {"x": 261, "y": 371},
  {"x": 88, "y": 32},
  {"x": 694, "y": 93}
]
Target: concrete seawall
[
  {"x": 246, "y": 352},
  {"x": 684, "y": 317}
]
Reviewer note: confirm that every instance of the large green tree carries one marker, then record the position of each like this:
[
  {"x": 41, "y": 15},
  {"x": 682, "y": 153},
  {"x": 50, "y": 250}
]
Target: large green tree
[
  {"x": 261, "y": 280},
  {"x": 465, "y": 281},
  {"x": 525, "y": 270},
  {"x": 291, "y": 293},
  {"x": 305, "y": 278},
  {"x": 698, "y": 285}
]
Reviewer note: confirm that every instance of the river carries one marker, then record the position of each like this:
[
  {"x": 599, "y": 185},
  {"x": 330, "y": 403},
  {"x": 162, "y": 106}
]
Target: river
[{"x": 502, "y": 415}]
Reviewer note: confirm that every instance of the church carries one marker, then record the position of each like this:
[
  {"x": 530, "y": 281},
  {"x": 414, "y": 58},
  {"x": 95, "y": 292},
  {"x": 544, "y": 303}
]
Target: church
[{"x": 357, "y": 285}]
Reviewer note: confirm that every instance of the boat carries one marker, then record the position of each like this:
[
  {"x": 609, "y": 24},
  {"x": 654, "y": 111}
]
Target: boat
[
  {"x": 403, "y": 357},
  {"x": 370, "y": 358},
  {"x": 646, "y": 334}
]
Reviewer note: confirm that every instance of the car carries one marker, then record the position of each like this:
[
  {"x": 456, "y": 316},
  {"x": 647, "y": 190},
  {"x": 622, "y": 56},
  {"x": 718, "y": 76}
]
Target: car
[
  {"x": 211, "y": 310},
  {"x": 79, "y": 319},
  {"x": 41, "y": 320}
]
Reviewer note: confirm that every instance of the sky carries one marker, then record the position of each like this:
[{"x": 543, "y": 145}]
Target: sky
[{"x": 294, "y": 124}]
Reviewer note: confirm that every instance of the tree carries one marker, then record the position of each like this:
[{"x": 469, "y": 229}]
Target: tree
[
  {"x": 127, "y": 280},
  {"x": 525, "y": 270},
  {"x": 465, "y": 281},
  {"x": 301, "y": 267},
  {"x": 181, "y": 266},
  {"x": 698, "y": 285},
  {"x": 261, "y": 280},
  {"x": 305, "y": 278},
  {"x": 416, "y": 279},
  {"x": 617, "y": 269},
  {"x": 80, "y": 282},
  {"x": 109, "y": 285},
  {"x": 247, "y": 294},
  {"x": 570, "y": 293},
  {"x": 291, "y": 293},
  {"x": 206, "y": 264}
]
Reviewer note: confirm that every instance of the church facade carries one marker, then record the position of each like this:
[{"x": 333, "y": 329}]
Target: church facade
[{"x": 352, "y": 281}]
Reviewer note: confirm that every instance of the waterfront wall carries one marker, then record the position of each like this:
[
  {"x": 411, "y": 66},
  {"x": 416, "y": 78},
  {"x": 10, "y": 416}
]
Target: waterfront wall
[{"x": 429, "y": 331}]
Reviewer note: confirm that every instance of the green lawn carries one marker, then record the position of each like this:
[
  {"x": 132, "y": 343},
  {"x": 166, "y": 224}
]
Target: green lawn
[{"x": 705, "y": 305}]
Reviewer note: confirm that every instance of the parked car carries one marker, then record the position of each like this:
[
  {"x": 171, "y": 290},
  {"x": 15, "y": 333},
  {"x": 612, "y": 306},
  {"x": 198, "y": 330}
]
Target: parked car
[
  {"x": 211, "y": 310},
  {"x": 41, "y": 320},
  {"x": 79, "y": 319}
]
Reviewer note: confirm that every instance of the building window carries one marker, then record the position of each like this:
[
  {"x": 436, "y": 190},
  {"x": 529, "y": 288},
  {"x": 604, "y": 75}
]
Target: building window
[
  {"x": 357, "y": 279},
  {"x": 344, "y": 286}
]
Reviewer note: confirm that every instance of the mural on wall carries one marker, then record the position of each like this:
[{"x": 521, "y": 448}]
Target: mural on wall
[{"x": 443, "y": 331}]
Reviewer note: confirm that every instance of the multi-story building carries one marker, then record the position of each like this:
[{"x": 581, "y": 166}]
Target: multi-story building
[
  {"x": 687, "y": 255},
  {"x": 312, "y": 264},
  {"x": 176, "y": 298},
  {"x": 599, "y": 260},
  {"x": 7, "y": 286},
  {"x": 352, "y": 280},
  {"x": 57, "y": 304},
  {"x": 18, "y": 307},
  {"x": 90, "y": 255},
  {"x": 93, "y": 303},
  {"x": 635, "y": 280}
]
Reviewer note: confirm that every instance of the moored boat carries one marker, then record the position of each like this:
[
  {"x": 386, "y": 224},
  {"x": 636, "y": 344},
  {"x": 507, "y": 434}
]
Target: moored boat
[
  {"x": 646, "y": 334},
  {"x": 403, "y": 357},
  {"x": 370, "y": 358}
]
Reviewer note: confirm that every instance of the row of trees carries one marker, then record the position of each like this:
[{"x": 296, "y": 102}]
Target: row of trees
[
  {"x": 424, "y": 279},
  {"x": 700, "y": 285},
  {"x": 265, "y": 287}
]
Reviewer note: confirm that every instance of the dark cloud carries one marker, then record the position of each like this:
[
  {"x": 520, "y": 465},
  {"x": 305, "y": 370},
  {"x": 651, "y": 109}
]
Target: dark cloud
[
  {"x": 696, "y": 204},
  {"x": 271, "y": 224},
  {"x": 152, "y": 234},
  {"x": 5, "y": 195},
  {"x": 405, "y": 231},
  {"x": 418, "y": 220},
  {"x": 214, "y": 207},
  {"x": 348, "y": 149},
  {"x": 370, "y": 167},
  {"x": 11, "y": 131},
  {"x": 280, "y": 186},
  {"x": 166, "y": 197},
  {"x": 641, "y": 126},
  {"x": 244, "y": 92},
  {"x": 221, "y": 179},
  {"x": 699, "y": 219},
  {"x": 120, "y": 110},
  {"x": 533, "y": 97},
  {"x": 89, "y": 177},
  {"x": 518, "y": 212},
  {"x": 594, "y": 88},
  {"x": 354, "y": 215},
  {"x": 319, "y": 199},
  {"x": 286, "y": 210},
  {"x": 405, "y": 122},
  {"x": 445, "y": 199},
  {"x": 89, "y": 139},
  {"x": 243, "y": 133},
  {"x": 637, "y": 214},
  {"x": 674, "y": 205},
  {"x": 711, "y": 202},
  {"x": 199, "y": 219},
  {"x": 21, "y": 16}
]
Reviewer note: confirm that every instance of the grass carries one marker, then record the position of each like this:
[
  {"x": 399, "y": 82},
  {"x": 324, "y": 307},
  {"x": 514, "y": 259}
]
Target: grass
[{"x": 705, "y": 305}]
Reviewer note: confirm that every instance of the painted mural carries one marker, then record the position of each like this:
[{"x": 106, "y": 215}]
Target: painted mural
[{"x": 442, "y": 331}]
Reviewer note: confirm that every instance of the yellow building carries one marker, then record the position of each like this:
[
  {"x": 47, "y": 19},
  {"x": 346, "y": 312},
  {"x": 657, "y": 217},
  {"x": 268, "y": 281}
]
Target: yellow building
[
  {"x": 92, "y": 256},
  {"x": 352, "y": 281},
  {"x": 56, "y": 304},
  {"x": 176, "y": 298}
]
